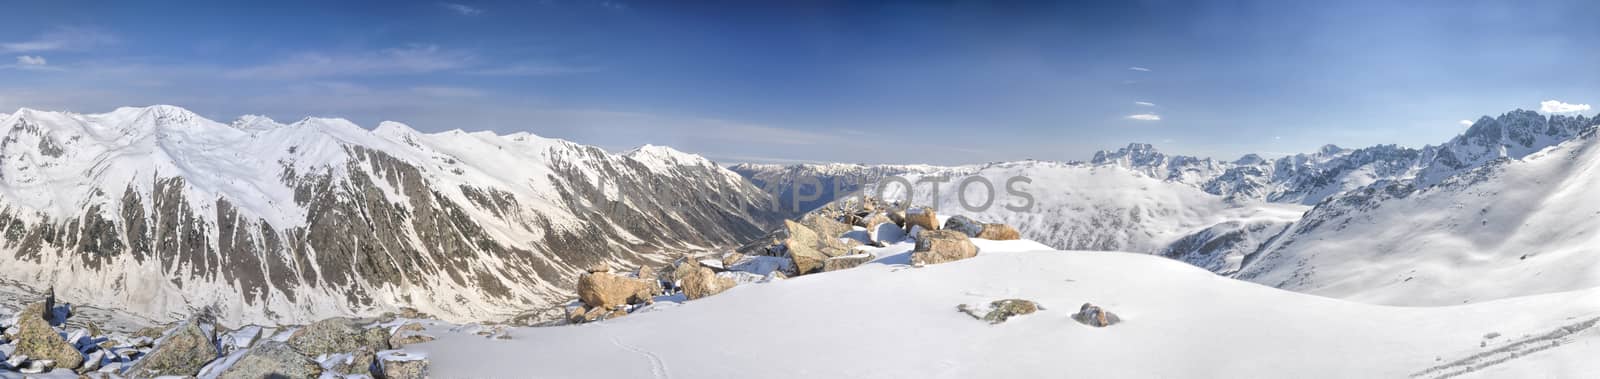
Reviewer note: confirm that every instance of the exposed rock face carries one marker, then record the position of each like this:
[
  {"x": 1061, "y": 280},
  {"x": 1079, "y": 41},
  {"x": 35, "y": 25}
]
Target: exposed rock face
[
  {"x": 1001, "y": 310},
  {"x": 1092, "y": 315},
  {"x": 337, "y": 335},
  {"x": 999, "y": 232},
  {"x": 604, "y": 290},
  {"x": 940, "y": 246},
  {"x": 925, "y": 217},
  {"x": 846, "y": 262},
  {"x": 825, "y": 227},
  {"x": 964, "y": 224},
  {"x": 394, "y": 217},
  {"x": 272, "y": 359},
  {"x": 183, "y": 352},
  {"x": 37, "y": 340}
]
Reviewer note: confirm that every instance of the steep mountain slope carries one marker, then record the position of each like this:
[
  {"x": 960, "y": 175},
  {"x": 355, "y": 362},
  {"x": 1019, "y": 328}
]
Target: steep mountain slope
[
  {"x": 802, "y": 188},
  {"x": 157, "y": 211},
  {"x": 888, "y": 320},
  {"x": 1510, "y": 227}
]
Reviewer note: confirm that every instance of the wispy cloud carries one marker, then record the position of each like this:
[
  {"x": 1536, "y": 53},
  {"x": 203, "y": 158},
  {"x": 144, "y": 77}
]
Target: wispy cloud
[
  {"x": 31, "y": 63},
  {"x": 447, "y": 91},
  {"x": 31, "y": 60},
  {"x": 534, "y": 69},
  {"x": 415, "y": 59},
  {"x": 1144, "y": 103},
  {"x": 1137, "y": 68},
  {"x": 462, "y": 9},
  {"x": 1145, "y": 117},
  {"x": 62, "y": 38},
  {"x": 1556, "y": 106},
  {"x": 1465, "y": 122}
]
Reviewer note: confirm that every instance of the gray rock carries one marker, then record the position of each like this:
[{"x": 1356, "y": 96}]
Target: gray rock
[
  {"x": 337, "y": 335},
  {"x": 182, "y": 353},
  {"x": 398, "y": 365},
  {"x": 37, "y": 339},
  {"x": 963, "y": 224},
  {"x": 1001, "y": 310},
  {"x": 272, "y": 359},
  {"x": 846, "y": 262},
  {"x": 1092, "y": 315}
]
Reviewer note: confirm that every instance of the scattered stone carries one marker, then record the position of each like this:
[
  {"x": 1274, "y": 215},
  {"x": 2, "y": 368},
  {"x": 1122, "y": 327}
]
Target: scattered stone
[
  {"x": 699, "y": 282},
  {"x": 272, "y": 359},
  {"x": 595, "y": 314},
  {"x": 337, "y": 335},
  {"x": 1092, "y": 315},
  {"x": 38, "y": 366},
  {"x": 359, "y": 362},
  {"x": 1001, "y": 310},
  {"x": 999, "y": 232},
  {"x": 398, "y": 365},
  {"x": 963, "y": 224},
  {"x": 604, "y": 290},
  {"x": 846, "y": 262},
  {"x": 925, "y": 217},
  {"x": 182, "y": 353},
  {"x": 92, "y": 363},
  {"x": 940, "y": 246},
  {"x": 36, "y": 339},
  {"x": 153, "y": 332},
  {"x": 408, "y": 334}
]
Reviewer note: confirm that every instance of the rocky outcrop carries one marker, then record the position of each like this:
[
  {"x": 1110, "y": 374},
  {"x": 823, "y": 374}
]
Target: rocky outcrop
[
  {"x": 37, "y": 340},
  {"x": 272, "y": 359},
  {"x": 1092, "y": 315},
  {"x": 999, "y": 311},
  {"x": 808, "y": 249},
  {"x": 940, "y": 246},
  {"x": 403, "y": 366},
  {"x": 183, "y": 352},
  {"x": 337, "y": 335},
  {"x": 824, "y": 226}
]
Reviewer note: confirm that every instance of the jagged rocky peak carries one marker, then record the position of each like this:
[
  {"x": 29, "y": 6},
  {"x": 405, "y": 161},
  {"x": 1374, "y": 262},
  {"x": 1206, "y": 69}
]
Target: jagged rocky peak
[{"x": 1135, "y": 154}]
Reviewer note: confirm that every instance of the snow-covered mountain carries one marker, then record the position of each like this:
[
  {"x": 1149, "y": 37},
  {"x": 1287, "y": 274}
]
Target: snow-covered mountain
[
  {"x": 158, "y": 211},
  {"x": 1404, "y": 210}
]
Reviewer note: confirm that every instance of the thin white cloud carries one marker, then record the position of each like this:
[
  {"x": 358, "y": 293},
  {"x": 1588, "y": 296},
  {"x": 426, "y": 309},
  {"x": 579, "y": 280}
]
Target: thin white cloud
[
  {"x": 463, "y": 9},
  {"x": 534, "y": 69},
  {"x": 1556, "y": 106},
  {"x": 1145, "y": 117},
  {"x": 416, "y": 59},
  {"x": 1465, "y": 122},
  {"x": 63, "y": 38},
  {"x": 31, "y": 60},
  {"x": 1144, "y": 103},
  {"x": 447, "y": 91},
  {"x": 1137, "y": 68}
]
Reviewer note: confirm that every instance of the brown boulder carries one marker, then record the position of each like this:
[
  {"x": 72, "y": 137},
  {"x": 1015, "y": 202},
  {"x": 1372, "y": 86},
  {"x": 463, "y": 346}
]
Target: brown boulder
[
  {"x": 605, "y": 290},
  {"x": 846, "y": 262},
  {"x": 824, "y": 226},
  {"x": 699, "y": 282},
  {"x": 808, "y": 249},
  {"x": 1092, "y": 315},
  {"x": 940, "y": 246},
  {"x": 999, "y": 232},
  {"x": 925, "y": 217}
]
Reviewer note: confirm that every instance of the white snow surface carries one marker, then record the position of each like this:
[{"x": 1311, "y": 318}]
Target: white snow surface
[{"x": 888, "y": 320}]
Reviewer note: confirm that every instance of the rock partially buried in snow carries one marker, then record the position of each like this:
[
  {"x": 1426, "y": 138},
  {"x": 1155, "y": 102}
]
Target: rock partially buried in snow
[
  {"x": 272, "y": 359},
  {"x": 808, "y": 249},
  {"x": 399, "y": 365},
  {"x": 925, "y": 217},
  {"x": 940, "y": 246},
  {"x": 999, "y": 311},
  {"x": 699, "y": 282},
  {"x": 963, "y": 224},
  {"x": 36, "y": 339},
  {"x": 1092, "y": 315},
  {"x": 999, "y": 232},
  {"x": 846, "y": 262},
  {"x": 183, "y": 352},
  {"x": 407, "y": 334}
]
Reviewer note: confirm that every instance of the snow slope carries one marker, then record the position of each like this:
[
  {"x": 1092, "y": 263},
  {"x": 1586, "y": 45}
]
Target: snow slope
[
  {"x": 1514, "y": 227},
  {"x": 888, "y": 320}
]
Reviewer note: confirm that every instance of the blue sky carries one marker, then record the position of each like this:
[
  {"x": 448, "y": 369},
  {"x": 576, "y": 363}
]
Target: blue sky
[{"x": 951, "y": 82}]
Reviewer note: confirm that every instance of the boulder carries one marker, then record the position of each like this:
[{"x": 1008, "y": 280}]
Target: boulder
[
  {"x": 1001, "y": 310},
  {"x": 37, "y": 340},
  {"x": 699, "y": 282},
  {"x": 940, "y": 246},
  {"x": 399, "y": 365},
  {"x": 925, "y": 217},
  {"x": 999, "y": 232},
  {"x": 595, "y": 314},
  {"x": 183, "y": 352},
  {"x": 359, "y": 362},
  {"x": 897, "y": 216},
  {"x": 846, "y": 262},
  {"x": 731, "y": 259},
  {"x": 272, "y": 359},
  {"x": 408, "y": 334},
  {"x": 605, "y": 290},
  {"x": 808, "y": 249},
  {"x": 964, "y": 225},
  {"x": 824, "y": 226},
  {"x": 1092, "y": 315},
  {"x": 598, "y": 267},
  {"x": 337, "y": 335}
]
